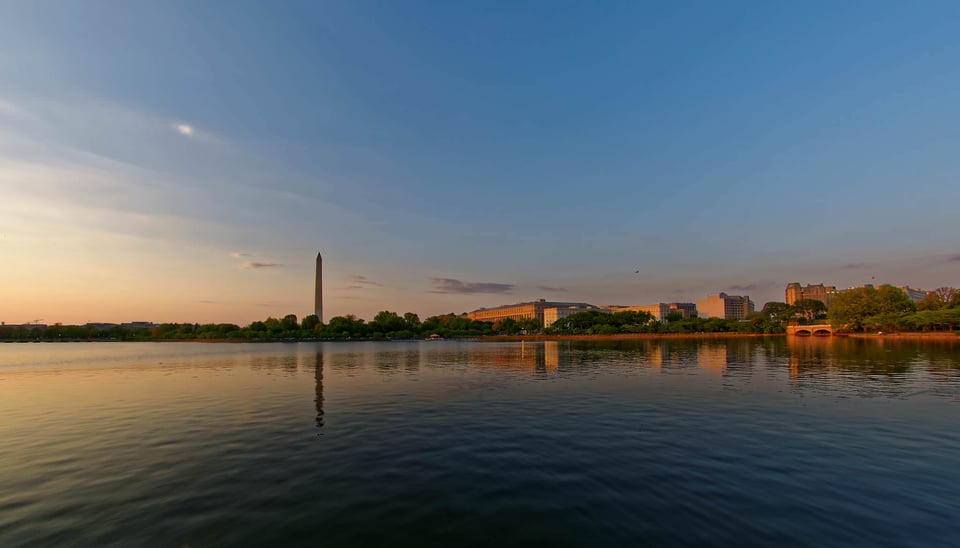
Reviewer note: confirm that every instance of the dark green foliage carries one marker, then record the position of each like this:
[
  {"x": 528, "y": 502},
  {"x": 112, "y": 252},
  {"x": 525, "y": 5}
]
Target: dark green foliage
[
  {"x": 887, "y": 308},
  {"x": 385, "y": 325},
  {"x": 594, "y": 322},
  {"x": 940, "y": 299},
  {"x": 870, "y": 308}
]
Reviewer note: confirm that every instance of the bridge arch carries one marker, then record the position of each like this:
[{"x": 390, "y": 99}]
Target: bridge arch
[{"x": 820, "y": 330}]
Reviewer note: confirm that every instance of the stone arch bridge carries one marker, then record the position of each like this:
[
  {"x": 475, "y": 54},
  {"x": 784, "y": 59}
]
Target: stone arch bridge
[{"x": 819, "y": 330}]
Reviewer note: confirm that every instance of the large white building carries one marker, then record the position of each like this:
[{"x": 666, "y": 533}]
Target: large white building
[
  {"x": 555, "y": 313},
  {"x": 659, "y": 311},
  {"x": 525, "y": 310}
]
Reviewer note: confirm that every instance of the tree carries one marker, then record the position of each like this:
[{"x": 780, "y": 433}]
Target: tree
[
  {"x": 507, "y": 326},
  {"x": 940, "y": 298},
  {"x": 892, "y": 300},
  {"x": 387, "y": 322},
  {"x": 936, "y": 320},
  {"x": 530, "y": 325},
  {"x": 776, "y": 311},
  {"x": 309, "y": 323},
  {"x": 412, "y": 321},
  {"x": 345, "y": 326},
  {"x": 289, "y": 322},
  {"x": 808, "y": 308},
  {"x": 273, "y": 325},
  {"x": 851, "y": 309}
]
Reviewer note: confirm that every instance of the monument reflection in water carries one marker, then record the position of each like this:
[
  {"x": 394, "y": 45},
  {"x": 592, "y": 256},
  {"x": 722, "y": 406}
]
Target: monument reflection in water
[
  {"x": 762, "y": 441},
  {"x": 318, "y": 375}
]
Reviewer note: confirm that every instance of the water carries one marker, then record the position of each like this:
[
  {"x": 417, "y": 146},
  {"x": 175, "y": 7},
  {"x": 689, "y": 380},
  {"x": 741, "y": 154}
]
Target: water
[{"x": 724, "y": 442}]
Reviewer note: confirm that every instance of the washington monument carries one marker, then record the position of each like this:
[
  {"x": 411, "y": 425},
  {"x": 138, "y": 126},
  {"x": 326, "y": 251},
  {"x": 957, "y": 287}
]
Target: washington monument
[{"x": 318, "y": 295}]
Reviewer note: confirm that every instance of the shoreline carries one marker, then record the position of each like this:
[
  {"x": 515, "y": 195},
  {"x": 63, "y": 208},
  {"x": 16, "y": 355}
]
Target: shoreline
[
  {"x": 931, "y": 335},
  {"x": 627, "y": 337},
  {"x": 917, "y": 336}
]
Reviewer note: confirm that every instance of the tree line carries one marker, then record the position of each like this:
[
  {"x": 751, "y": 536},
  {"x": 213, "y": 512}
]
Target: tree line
[
  {"x": 384, "y": 325},
  {"x": 864, "y": 309},
  {"x": 883, "y": 308},
  {"x": 594, "y": 322},
  {"x": 887, "y": 308}
]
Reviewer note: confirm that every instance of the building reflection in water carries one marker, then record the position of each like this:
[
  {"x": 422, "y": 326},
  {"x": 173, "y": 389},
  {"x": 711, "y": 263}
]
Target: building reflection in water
[
  {"x": 551, "y": 356},
  {"x": 318, "y": 375},
  {"x": 867, "y": 366},
  {"x": 809, "y": 355},
  {"x": 729, "y": 357},
  {"x": 528, "y": 356}
]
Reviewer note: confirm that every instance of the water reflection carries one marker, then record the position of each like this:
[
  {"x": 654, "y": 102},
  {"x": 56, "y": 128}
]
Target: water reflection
[
  {"x": 855, "y": 364},
  {"x": 318, "y": 376},
  {"x": 286, "y": 363},
  {"x": 869, "y": 356},
  {"x": 411, "y": 361},
  {"x": 816, "y": 442}
]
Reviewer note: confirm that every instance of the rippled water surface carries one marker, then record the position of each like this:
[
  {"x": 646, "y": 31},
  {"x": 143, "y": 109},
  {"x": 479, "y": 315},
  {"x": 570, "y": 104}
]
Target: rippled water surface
[{"x": 763, "y": 442}]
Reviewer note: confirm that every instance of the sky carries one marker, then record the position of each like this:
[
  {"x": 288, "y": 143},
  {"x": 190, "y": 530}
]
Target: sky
[{"x": 186, "y": 161}]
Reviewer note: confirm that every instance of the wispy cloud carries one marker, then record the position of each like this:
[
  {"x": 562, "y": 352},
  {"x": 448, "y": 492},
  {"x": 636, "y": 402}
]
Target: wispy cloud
[
  {"x": 254, "y": 264},
  {"x": 452, "y": 286},
  {"x": 207, "y": 302},
  {"x": 855, "y": 266},
  {"x": 275, "y": 304},
  {"x": 549, "y": 289},
  {"x": 185, "y": 129},
  {"x": 358, "y": 279},
  {"x": 249, "y": 265},
  {"x": 755, "y": 286},
  {"x": 954, "y": 259}
]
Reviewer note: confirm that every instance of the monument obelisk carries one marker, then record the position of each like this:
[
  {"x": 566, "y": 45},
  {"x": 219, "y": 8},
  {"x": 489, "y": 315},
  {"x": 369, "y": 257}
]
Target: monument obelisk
[{"x": 318, "y": 295}]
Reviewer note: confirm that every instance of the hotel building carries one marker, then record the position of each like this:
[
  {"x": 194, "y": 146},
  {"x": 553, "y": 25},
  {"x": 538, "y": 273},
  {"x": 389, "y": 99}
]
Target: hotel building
[
  {"x": 728, "y": 307},
  {"x": 823, "y": 293}
]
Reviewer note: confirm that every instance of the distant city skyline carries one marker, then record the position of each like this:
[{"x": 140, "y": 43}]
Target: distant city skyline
[{"x": 187, "y": 165}]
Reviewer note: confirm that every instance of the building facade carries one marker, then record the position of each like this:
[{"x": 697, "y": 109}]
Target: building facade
[
  {"x": 522, "y": 311},
  {"x": 823, "y": 293},
  {"x": 916, "y": 295},
  {"x": 728, "y": 307},
  {"x": 688, "y": 310},
  {"x": 659, "y": 311},
  {"x": 554, "y": 314}
]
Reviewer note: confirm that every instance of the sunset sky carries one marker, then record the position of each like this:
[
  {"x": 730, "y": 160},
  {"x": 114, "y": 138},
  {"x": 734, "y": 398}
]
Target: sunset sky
[{"x": 185, "y": 161}]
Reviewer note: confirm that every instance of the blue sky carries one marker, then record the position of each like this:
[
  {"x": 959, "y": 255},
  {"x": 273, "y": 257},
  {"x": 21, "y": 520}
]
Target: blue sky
[{"x": 615, "y": 153}]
